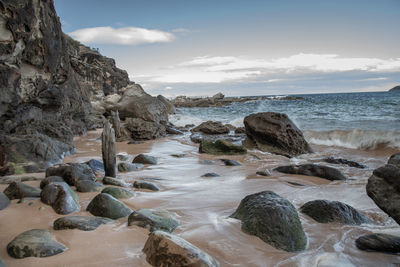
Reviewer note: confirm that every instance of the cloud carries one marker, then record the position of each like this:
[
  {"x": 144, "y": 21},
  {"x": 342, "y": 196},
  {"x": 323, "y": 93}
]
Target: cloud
[{"x": 121, "y": 36}]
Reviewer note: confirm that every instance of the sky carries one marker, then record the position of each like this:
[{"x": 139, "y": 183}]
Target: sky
[{"x": 240, "y": 48}]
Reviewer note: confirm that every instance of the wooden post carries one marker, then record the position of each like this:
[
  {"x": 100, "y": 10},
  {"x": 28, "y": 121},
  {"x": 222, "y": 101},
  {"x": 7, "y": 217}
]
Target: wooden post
[
  {"x": 116, "y": 123},
  {"x": 108, "y": 150}
]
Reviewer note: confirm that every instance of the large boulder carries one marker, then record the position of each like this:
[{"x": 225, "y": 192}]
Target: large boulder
[
  {"x": 168, "y": 104},
  {"x": 105, "y": 205},
  {"x": 34, "y": 243},
  {"x": 118, "y": 192},
  {"x": 129, "y": 167},
  {"x": 212, "y": 127},
  {"x": 321, "y": 171},
  {"x": 221, "y": 147},
  {"x": 379, "y": 243},
  {"x": 395, "y": 160},
  {"x": 273, "y": 219},
  {"x": 164, "y": 249},
  {"x": 275, "y": 133},
  {"x": 49, "y": 180},
  {"x": 84, "y": 223},
  {"x": 154, "y": 220},
  {"x": 384, "y": 189},
  {"x": 61, "y": 197},
  {"x": 72, "y": 172},
  {"x": 85, "y": 186},
  {"x": 18, "y": 190},
  {"x": 324, "y": 211},
  {"x": 140, "y": 129},
  {"x": 145, "y": 159}
]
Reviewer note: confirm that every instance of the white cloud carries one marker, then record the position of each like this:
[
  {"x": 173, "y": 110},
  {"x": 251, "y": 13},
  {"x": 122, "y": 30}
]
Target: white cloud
[{"x": 121, "y": 36}]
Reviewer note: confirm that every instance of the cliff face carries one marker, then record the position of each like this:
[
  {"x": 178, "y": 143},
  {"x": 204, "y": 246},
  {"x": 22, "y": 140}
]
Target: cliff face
[{"x": 47, "y": 81}]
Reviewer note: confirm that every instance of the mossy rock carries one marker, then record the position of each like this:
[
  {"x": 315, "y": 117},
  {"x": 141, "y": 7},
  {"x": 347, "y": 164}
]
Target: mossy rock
[
  {"x": 18, "y": 190},
  {"x": 84, "y": 223},
  {"x": 88, "y": 186},
  {"x": 105, "y": 205},
  {"x": 154, "y": 220},
  {"x": 221, "y": 147},
  {"x": 118, "y": 192}
]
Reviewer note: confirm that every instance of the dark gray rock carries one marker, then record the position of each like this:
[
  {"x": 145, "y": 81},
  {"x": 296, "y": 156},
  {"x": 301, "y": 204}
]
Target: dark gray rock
[
  {"x": 324, "y": 211},
  {"x": 114, "y": 181},
  {"x": 105, "y": 205},
  {"x": 118, "y": 192},
  {"x": 211, "y": 127},
  {"x": 84, "y": 223},
  {"x": 85, "y": 186},
  {"x": 221, "y": 147},
  {"x": 230, "y": 162},
  {"x": 210, "y": 174},
  {"x": 154, "y": 220},
  {"x": 395, "y": 160},
  {"x": 4, "y": 201},
  {"x": 164, "y": 249},
  {"x": 145, "y": 159},
  {"x": 264, "y": 173},
  {"x": 395, "y": 89},
  {"x": 72, "y": 172},
  {"x": 173, "y": 131},
  {"x": 168, "y": 104},
  {"x": 273, "y": 219},
  {"x": 146, "y": 185},
  {"x": 379, "y": 243},
  {"x": 275, "y": 133},
  {"x": 178, "y": 155},
  {"x": 350, "y": 163},
  {"x": 34, "y": 243},
  {"x": 321, "y": 171},
  {"x": 60, "y": 197},
  {"x": 17, "y": 190},
  {"x": 384, "y": 189},
  {"x": 49, "y": 180},
  {"x": 129, "y": 167},
  {"x": 95, "y": 165},
  {"x": 122, "y": 157}
]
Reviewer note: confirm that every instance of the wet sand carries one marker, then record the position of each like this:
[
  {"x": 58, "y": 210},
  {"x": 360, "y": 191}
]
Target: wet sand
[{"x": 203, "y": 206}]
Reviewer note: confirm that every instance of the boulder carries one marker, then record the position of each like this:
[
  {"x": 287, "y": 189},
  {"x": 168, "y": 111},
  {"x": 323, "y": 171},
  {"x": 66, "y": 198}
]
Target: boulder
[
  {"x": 61, "y": 197},
  {"x": 122, "y": 157},
  {"x": 72, "y": 172},
  {"x": 164, "y": 249},
  {"x": 34, "y": 243},
  {"x": 17, "y": 190},
  {"x": 240, "y": 130},
  {"x": 4, "y": 201},
  {"x": 230, "y": 162},
  {"x": 395, "y": 160},
  {"x": 105, "y": 205},
  {"x": 211, "y": 127},
  {"x": 273, "y": 219},
  {"x": 173, "y": 131},
  {"x": 221, "y": 147},
  {"x": 114, "y": 181},
  {"x": 145, "y": 159},
  {"x": 264, "y": 173},
  {"x": 321, "y": 171},
  {"x": 118, "y": 192},
  {"x": 384, "y": 189},
  {"x": 95, "y": 165},
  {"x": 218, "y": 96},
  {"x": 275, "y": 133},
  {"x": 50, "y": 179},
  {"x": 379, "y": 243},
  {"x": 129, "y": 167},
  {"x": 154, "y": 220},
  {"x": 324, "y": 211},
  {"x": 140, "y": 129},
  {"x": 85, "y": 186},
  {"x": 84, "y": 223},
  {"x": 146, "y": 185},
  {"x": 168, "y": 104},
  {"x": 350, "y": 163}
]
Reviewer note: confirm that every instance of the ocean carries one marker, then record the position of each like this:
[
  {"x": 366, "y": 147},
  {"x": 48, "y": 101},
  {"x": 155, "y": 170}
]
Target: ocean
[{"x": 351, "y": 120}]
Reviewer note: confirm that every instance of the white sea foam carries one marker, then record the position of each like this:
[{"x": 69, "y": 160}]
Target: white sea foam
[{"x": 182, "y": 120}]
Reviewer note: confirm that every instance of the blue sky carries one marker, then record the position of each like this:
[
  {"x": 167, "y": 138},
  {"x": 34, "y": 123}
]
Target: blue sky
[{"x": 175, "y": 47}]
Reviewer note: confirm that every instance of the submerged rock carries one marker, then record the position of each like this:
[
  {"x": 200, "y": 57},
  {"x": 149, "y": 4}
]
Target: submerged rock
[
  {"x": 230, "y": 162},
  {"x": 350, "y": 163},
  {"x": 146, "y": 185},
  {"x": 17, "y": 190},
  {"x": 84, "y": 223},
  {"x": 211, "y": 127},
  {"x": 105, "y": 205},
  {"x": 129, "y": 167},
  {"x": 210, "y": 174},
  {"x": 145, "y": 159},
  {"x": 118, "y": 192},
  {"x": 221, "y": 147},
  {"x": 321, "y": 171},
  {"x": 275, "y": 133},
  {"x": 34, "y": 243},
  {"x": 379, "y": 243},
  {"x": 61, "y": 197},
  {"x": 114, "y": 181},
  {"x": 72, "y": 172},
  {"x": 154, "y": 220},
  {"x": 384, "y": 189},
  {"x": 49, "y": 180},
  {"x": 164, "y": 249},
  {"x": 273, "y": 219},
  {"x": 85, "y": 186},
  {"x": 324, "y": 211},
  {"x": 4, "y": 201}
]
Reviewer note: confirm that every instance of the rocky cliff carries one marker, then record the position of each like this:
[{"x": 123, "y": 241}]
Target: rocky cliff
[{"x": 47, "y": 83}]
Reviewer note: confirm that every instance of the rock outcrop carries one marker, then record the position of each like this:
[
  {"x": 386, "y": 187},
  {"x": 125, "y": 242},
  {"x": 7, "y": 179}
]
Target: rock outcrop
[
  {"x": 395, "y": 89},
  {"x": 275, "y": 133}
]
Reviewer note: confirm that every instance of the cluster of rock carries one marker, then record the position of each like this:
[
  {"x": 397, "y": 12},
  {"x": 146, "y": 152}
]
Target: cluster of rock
[{"x": 219, "y": 100}]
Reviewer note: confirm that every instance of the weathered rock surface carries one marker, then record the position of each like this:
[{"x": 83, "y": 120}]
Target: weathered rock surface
[
  {"x": 129, "y": 167},
  {"x": 72, "y": 172},
  {"x": 395, "y": 160},
  {"x": 145, "y": 159},
  {"x": 345, "y": 162},
  {"x": 164, "y": 249},
  {"x": 324, "y": 211},
  {"x": 105, "y": 205},
  {"x": 4, "y": 201},
  {"x": 146, "y": 185},
  {"x": 122, "y": 157},
  {"x": 273, "y": 219},
  {"x": 84, "y": 223},
  {"x": 118, "y": 192},
  {"x": 34, "y": 243},
  {"x": 321, "y": 171},
  {"x": 168, "y": 104},
  {"x": 49, "y": 180},
  {"x": 275, "y": 133},
  {"x": 379, "y": 243},
  {"x": 212, "y": 127},
  {"x": 384, "y": 189},
  {"x": 85, "y": 186},
  {"x": 198, "y": 137},
  {"x": 154, "y": 220},
  {"x": 221, "y": 147},
  {"x": 17, "y": 190},
  {"x": 230, "y": 162},
  {"x": 95, "y": 165},
  {"x": 114, "y": 181},
  {"x": 140, "y": 129},
  {"x": 60, "y": 197}
]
